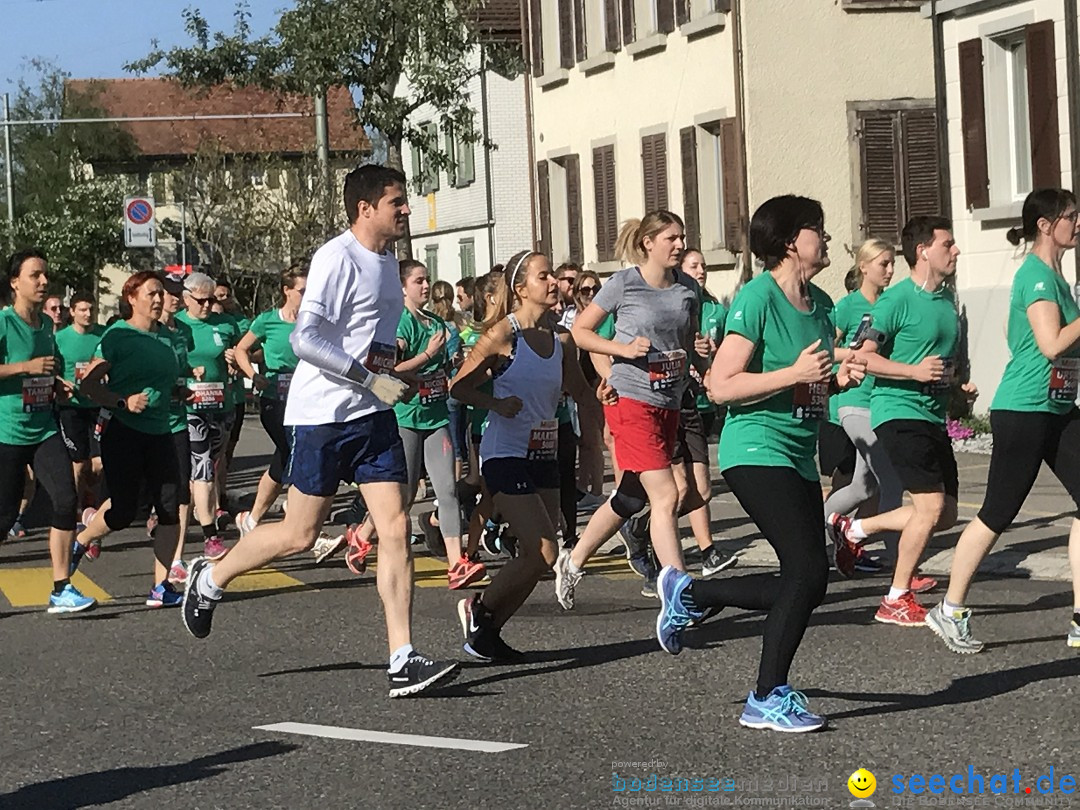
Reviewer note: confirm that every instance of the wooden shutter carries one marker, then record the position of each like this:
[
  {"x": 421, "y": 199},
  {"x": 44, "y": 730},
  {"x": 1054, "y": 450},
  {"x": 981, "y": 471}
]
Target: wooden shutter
[
  {"x": 612, "y": 40},
  {"x": 627, "y": 16},
  {"x": 665, "y": 16},
  {"x": 654, "y": 172},
  {"x": 581, "y": 45},
  {"x": 572, "y": 167},
  {"x": 536, "y": 38},
  {"x": 566, "y": 33},
  {"x": 543, "y": 190},
  {"x": 880, "y": 158},
  {"x": 921, "y": 163},
  {"x": 1043, "y": 105},
  {"x": 682, "y": 11},
  {"x": 691, "y": 204},
  {"x": 973, "y": 124},
  {"x": 607, "y": 219},
  {"x": 732, "y": 182}
]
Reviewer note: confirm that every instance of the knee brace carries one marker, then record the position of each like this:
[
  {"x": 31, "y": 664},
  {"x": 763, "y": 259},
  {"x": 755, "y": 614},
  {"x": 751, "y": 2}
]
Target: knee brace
[{"x": 629, "y": 499}]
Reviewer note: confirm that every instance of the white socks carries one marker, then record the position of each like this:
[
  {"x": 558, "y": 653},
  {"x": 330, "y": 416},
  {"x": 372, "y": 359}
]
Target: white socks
[
  {"x": 949, "y": 608},
  {"x": 855, "y": 531},
  {"x": 206, "y": 585},
  {"x": 399, "y": 657},
  {"x": 896, "y": 593}
]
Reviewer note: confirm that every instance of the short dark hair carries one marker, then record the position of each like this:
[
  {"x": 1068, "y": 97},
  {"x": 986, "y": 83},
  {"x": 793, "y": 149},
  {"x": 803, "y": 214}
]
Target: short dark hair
[
  {"x": 468, "y": 284},
  {"x": 14, "y": 267},
  {"x": 223, "y": 283},
  {"x": 406, "y": 266},
  {"x": 368, "y": 184},
  {"x": 920, "y": 231},
  {"x": 776, "y": 224},
  {"x": 82, "y": 298}
]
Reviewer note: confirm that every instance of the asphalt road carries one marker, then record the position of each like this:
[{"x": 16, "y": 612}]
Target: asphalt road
[{"x": 120, "y": 708}]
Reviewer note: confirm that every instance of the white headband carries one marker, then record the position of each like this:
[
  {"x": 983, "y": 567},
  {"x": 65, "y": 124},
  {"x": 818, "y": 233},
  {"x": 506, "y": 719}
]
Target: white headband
[{"x": 517, "y": 267}]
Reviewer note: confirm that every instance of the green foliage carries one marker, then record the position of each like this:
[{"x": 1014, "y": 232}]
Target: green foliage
[{"x": 980, "y": 423}]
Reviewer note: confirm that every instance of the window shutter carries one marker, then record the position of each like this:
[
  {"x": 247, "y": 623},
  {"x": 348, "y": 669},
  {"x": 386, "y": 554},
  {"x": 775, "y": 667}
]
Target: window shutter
[
  {"x": 665, "y": 16},
  {"x": 452, "y": 153},
  {"x": 612, "y": 40},
  {"x": 536, "y": 38},
  {"x": 921, "y": 163},
  {"x": 417, "y": 169},
  {"x": 544, "y": 192},
  {"x": 648, "y": 173},
  {"x": 572, "y": 168},
  {"x": 607, "y": 219},
  {"x": 654, "y": 172},
  {"x": 691, "y": 206},
  {"x": 466, "y": 163},
  {"x": 880, "y": 148},
  {"x": 660, "y": 156},
  {"x": 566, "y": 33},
  {"x": 581, "y": 45},
  {"x": 1043, "y": 105},
  {"x": 682, "y": 11},
  {"x": 973, "y": 124},
  {"x": 627, "y": 15},
  {"x": 732, "y": 182}
]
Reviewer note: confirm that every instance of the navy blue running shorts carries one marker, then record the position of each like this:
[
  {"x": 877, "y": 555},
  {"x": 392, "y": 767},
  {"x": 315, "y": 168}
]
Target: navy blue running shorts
[{"x": 367, "y": 450}]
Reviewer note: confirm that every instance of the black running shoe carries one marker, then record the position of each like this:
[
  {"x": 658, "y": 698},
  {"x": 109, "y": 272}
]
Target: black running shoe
[
  {"x": 489, "y": 539},
  {"x": 714, "y": 561},
  {"x": 197, "y": 610},
  {"x": 507, "y": 540},
  {"x": 487, "y": 645},
  {"x": 635, "y": 534},
  {"x": 418, "y": 674}
]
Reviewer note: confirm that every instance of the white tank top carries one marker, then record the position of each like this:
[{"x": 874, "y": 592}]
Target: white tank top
[{"x": 537, "y": 381}]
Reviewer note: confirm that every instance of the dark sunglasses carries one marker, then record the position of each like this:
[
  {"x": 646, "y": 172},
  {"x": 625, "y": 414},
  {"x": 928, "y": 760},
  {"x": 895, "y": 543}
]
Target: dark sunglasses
[
  {"x": 202, "y": 302},
  {"x": 588, "y": 290}
]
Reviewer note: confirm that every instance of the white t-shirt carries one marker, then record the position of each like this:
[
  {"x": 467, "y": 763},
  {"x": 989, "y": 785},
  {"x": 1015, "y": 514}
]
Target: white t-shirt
[{"x": 359, "y": 295}]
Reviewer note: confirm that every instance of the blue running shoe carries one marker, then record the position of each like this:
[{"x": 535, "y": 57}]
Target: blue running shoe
[
  {"x": 783, "y": 709},
  {"x": 164, "y": 596},
  {"x": 69, "y": 600},
  {"x": 674, "y": 615},
  {"x": 77, "y": 553}
]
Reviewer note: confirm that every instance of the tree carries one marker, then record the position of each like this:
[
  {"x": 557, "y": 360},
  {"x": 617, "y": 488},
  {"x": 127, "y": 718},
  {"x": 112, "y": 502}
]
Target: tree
[{"x": 365, "y": 45}]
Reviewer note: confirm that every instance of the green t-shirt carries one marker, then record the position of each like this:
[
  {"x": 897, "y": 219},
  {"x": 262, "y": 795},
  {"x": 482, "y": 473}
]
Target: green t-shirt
[
  {"x": 477, "y": 416},
  {"x": 713, "y": 315},
  {"x": 237, "y": 391},
  {"x": 273, "y": 334},
  {"x": 427, "y": 409},
  {"x": 177, "y": 340},
  {"x": 848, "y": 315},
  {"x": 76, "y": 352},
  {"x": 606, "y": 329},
  {"x": 141, "y": 362},
  {"x": 1026, "y": 383},
  {"x": 206, "y": 344},
  {"x": 780, "y": 431},
  {"x": 916, "y": 323},
  {"x": 26, "y": 402}
]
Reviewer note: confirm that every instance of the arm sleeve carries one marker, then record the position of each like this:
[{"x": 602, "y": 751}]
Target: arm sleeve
[
  {"x": 309, "y": 345},
  {"x": 747, "y": 317},
  {"x": 611, "y": 292}
]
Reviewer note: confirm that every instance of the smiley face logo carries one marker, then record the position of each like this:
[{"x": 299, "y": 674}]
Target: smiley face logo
[{"x": 862, "y": 784}]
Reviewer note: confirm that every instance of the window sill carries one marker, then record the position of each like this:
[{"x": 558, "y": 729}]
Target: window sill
[
  {"x": 720, "y": 257},
  {"x": 605, "y": 269},
  {"x": 553, "y": 79},
  {"x": 998, "y": 213},
  {"x": 595, "y": 64},
  {"x": 708, "y": 24},
  {"x": 881, "y": 5},
  {"x": 653, "y": 43}
]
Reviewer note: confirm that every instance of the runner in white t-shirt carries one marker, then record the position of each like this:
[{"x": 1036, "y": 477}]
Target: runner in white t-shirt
[{"x": 341, "y": 421}]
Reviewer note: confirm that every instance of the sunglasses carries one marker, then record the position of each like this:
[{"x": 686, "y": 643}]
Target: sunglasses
[
  {"x": 569, "y": 279},
  {"x": 202, "y": 302},
  {"x": 588, "y": 290}
]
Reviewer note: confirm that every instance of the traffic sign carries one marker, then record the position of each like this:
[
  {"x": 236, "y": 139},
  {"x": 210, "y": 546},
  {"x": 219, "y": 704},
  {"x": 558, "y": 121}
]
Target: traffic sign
[{"x": 139, "y": 225}]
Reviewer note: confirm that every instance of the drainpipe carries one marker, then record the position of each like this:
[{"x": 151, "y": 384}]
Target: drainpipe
[
  {"x": 529, "y": 123},
  {"x": 1072, "y": 74},
  {"x": 941, "y": 111},
  {"x": 740, "y": 123},
  {"x": 485, "y": 122}
]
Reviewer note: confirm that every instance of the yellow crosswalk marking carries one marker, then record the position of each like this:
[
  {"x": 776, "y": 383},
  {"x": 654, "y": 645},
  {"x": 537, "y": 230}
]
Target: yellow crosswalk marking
[
  {"x": 30, "y": 587},
  {"x": 264, "y": 579}
]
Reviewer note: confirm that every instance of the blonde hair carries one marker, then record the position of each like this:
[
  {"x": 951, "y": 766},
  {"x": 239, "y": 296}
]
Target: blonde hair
[
  {"x": 442, "y": 302},
  {"x": 496, "y": 287},
  {"x": 630, "y": 245},
  {"x": 867, "y": 252}
]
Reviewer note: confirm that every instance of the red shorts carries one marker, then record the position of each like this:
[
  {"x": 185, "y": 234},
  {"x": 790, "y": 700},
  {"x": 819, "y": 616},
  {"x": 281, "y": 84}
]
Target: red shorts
[{"x": 644, "y": 435}]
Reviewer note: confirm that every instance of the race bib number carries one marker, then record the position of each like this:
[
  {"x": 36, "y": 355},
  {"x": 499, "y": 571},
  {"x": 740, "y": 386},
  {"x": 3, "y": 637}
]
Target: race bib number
[
  {"x": 544, "y": 441},
  {"x": 948, "y": 376},
  {"x": 433, "y": 388},
  {"x": 209, "y": 396},
  {"x": 284, "y": 381},
  {"x": 1064, "y": 376},
  {"x": 666, "y": 369},
  {"x": 381, "y": 359},
  {"x": 810, "y": 400},
  {"x": 37, "y": 394},
  {"x": 80, "y": 371}
]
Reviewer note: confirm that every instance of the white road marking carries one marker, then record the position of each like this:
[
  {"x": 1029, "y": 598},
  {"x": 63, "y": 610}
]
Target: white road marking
[{"x": 389, "y": 738}]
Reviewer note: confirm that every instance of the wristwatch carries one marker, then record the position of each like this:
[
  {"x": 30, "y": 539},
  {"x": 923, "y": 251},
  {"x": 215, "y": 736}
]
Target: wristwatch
[{"x": 121, "y": 404}]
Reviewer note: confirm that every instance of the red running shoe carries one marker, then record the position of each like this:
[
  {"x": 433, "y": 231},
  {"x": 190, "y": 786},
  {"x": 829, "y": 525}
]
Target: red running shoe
[
  {"x": 845, "y": 552},
  {"x": 465, "y": 572},
  {"x": 93, "y": 551},
  {"x": 904, "y": 612},
  {"x": 921, "y": 583},
  {"x": 359, "y": 548}
]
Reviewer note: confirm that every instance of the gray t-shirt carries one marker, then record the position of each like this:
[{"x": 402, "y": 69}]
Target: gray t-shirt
[{"x": 668, "y": 318}]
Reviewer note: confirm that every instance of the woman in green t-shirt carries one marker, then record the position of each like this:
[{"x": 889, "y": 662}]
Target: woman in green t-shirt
[
  {"x": 29, "y": 435},
  {"x": 1033, "y": 416},
  {"x": 271, "y": 331},
  {"x": 774, "y": 370}
]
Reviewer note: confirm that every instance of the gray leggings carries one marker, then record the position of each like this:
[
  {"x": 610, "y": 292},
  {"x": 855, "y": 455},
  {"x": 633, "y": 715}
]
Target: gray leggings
[
  {"x": 873, "y": 472},
  {"x": 435, "y": 450}
]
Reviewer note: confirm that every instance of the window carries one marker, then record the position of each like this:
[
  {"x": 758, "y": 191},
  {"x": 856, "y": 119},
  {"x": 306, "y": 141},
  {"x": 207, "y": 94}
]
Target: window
[
  {"x": 654, "y": 171},
  {"x": 713, "y": 184},
  {"x": 1007, "y": 122},
  {"x": 560, "y": 212},
  {"x": 899, "y": 166},
  {"x": 607, "y": 218},
  {"x": 612, "y": 36},
  {"x": 431, "y": 259},
  {"x": 424, "y": 175},
  {"x": 467, "y": 256}
]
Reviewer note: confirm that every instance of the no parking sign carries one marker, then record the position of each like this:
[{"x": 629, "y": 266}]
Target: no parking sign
[{"x": 139, "y": 230}]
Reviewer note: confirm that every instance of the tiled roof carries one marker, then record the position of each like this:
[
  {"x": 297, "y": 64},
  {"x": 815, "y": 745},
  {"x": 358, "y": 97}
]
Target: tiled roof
[
  {"x": 125, "y": 98},
  {"x": 499, "y": 19}
]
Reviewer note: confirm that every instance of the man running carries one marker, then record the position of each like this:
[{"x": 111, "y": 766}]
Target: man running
[{"x": 342, "y": 423}]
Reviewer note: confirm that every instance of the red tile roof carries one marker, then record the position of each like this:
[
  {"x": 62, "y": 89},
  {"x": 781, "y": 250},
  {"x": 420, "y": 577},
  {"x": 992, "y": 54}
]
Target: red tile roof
[{"x": 124, "y": 98}]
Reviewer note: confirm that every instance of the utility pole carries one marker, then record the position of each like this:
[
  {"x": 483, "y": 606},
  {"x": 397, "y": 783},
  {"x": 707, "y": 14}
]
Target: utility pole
[
  {"x": 322, "y": 154},
  {"x": 8, "y": 187}
]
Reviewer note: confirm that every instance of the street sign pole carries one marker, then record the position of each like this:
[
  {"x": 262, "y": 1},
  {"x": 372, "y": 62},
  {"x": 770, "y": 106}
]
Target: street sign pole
[{"x": 8, "y": 173}]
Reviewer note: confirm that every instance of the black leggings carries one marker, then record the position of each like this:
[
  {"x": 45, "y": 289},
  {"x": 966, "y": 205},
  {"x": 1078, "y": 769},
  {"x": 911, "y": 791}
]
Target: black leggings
[
  {"x": 567, "y": 458},
  {"x": 1023, "y": 440},
  {"x": 272, "y": 416},
  {"x": 52, "y": 467},
  {"x": 135, "y": 462},
  {"x": 787, "y": 509}
]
